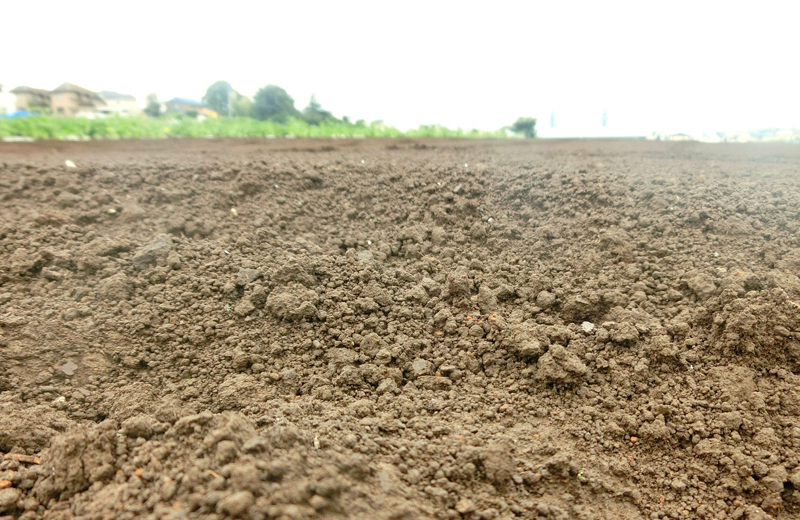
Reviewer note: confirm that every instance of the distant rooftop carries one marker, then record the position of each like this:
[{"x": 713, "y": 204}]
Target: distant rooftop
[
  {"x": 186, "y": 101},
  {"x": 31, "y": 90},
  {"x": 71, "y": 87},
  {"x": 107, "y": 94}
]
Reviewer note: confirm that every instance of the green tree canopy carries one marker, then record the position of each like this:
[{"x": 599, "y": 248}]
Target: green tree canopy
[
  {"x": 314, "y": 114},
  {"x": 221, "y": 98},
  {"x": 272, "y": 102},
  {"x": 525, "y": 126},
  {"x": 241, "y": 106},
  {"x": 153, "y": 108}
]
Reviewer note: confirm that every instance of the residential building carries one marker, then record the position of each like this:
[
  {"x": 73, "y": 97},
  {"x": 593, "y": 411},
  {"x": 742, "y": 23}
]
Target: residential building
[
  {"x": 207, "y": 112},
  {"x": 190, "y": 106},
  {"x": 184, "y": 105},
  {"x": 7, "y": 101},
  {"x": 31, "y": 99},
  {"x": 70, "y": 100},
  {"x": 121, "y": 104}
]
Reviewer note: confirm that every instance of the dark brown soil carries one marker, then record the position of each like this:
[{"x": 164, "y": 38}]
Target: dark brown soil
[{"x": 399, "y": 330}]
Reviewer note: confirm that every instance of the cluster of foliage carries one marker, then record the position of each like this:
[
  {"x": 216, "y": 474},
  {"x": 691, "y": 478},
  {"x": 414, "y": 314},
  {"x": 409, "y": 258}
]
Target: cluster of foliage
[
  {"x": 46, "y": 127},
  {"x": 314, "y": 114},
  {"x": 153, "y": 107},
  {"x": 525, "y": 126},
  {"x": 443, "y": 132},
  {"x": 224, "y": 100},
  {"x": 271, "y": 103},
  {"x": 274, "y": 104},
  {"x": 49, "y": 127}
]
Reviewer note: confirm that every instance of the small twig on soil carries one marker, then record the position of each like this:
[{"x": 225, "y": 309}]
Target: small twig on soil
[{"x": 29, "y": 459}]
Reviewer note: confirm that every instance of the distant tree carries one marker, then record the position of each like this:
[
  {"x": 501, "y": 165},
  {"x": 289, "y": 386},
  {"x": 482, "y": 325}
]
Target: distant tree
[
  {"x": 220, "y": 97},
  {"x": 242, "y": 106},
  {"x": 153, "y": 108},
  {"x": 314, "y": 114},
  {"x": 272, "y": 102},
  {"x": 525, "y": 126}
]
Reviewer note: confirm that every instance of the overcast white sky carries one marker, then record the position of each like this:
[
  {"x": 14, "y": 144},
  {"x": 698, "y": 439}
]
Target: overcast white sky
[{"x": 673, "y": 66}]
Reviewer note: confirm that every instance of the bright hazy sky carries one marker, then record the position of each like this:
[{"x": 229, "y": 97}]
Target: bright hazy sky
[{"x": 667, "y": 65}]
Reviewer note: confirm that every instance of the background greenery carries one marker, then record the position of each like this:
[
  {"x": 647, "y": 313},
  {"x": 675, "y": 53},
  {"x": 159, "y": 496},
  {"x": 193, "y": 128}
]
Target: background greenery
[
  {"x": 271, "y": 112},
  {"x": 48, "y": 127}
]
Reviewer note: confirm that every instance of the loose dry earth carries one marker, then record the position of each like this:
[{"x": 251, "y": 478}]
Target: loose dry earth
[{"x": 399, "y": 330}]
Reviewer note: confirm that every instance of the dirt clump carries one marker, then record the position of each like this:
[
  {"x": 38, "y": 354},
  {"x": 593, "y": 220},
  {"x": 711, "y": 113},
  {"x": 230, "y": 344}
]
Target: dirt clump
[{"x": 558, "y": 365}]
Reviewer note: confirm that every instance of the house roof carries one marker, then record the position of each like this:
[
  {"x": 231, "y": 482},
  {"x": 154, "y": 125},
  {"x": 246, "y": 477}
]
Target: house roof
[
  {"x": 70, "y": 87},
  {"x": 107, "y": 94},
  {"x": 30, "y": 90},
  {"x": 186, "y": 101}
]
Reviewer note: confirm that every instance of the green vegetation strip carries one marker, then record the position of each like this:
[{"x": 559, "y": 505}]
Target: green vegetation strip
[{"x": 43, "y": 127}]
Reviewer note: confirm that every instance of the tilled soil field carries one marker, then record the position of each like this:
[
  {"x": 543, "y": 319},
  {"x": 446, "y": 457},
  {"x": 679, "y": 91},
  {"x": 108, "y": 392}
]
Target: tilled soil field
[{"x": 399, "y": 329}]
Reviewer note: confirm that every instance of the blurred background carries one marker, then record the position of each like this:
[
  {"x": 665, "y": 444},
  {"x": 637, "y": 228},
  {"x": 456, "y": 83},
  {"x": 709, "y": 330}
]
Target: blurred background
[{"x": 704, "y": 70}]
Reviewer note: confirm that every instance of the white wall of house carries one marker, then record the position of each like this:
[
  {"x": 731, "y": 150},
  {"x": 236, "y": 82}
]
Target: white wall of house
[
  {"x": 127, "y": 107},
  {"x": 7, "y": 101}
]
